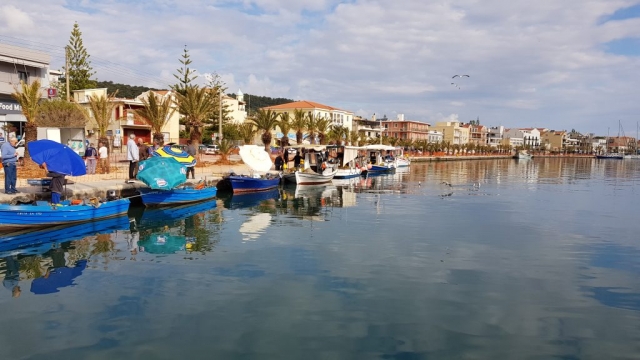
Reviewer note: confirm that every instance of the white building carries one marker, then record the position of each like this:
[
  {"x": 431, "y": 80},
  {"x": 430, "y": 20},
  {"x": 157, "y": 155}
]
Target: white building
[
  {"x": 434, "y": 136},
  {"x": 236, "y": 108},
  {"x": 19, "y": 64},
  {"x": 529, "y": 136},
  {"x": 495, "y": 135}
]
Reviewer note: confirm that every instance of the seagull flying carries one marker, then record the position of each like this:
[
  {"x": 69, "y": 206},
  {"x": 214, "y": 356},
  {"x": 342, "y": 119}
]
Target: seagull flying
[{"x": 460, "y": 76}]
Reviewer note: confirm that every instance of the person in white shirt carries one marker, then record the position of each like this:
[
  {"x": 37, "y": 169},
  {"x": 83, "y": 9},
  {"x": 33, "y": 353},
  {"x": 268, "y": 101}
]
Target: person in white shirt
[
  {"x": 103, "y": 154},
  {"x": 133, "y": 155}
]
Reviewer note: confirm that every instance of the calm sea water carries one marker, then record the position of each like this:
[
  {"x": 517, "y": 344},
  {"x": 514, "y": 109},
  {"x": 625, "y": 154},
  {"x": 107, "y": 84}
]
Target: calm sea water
[{"x": 453, "y": 260}]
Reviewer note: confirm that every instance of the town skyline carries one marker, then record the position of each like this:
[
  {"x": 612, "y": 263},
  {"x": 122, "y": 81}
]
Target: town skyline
[{"x": 557, "y": 66}]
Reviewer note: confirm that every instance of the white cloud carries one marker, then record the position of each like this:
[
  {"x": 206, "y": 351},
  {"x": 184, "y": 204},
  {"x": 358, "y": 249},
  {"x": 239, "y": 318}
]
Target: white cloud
[{"x": 529, "y": 64}]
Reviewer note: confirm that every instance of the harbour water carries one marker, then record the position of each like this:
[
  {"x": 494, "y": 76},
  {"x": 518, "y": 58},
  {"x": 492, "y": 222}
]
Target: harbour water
[{"x": 495, "y": 259}]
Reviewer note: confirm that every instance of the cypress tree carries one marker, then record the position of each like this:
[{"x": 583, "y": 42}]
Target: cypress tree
[{"x": 80, "y": 70}]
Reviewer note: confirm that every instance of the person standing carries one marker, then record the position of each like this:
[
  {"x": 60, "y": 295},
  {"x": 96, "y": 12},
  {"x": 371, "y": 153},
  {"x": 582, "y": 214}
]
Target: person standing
[
  {"x": 143, "y": 150},
  {"x": 9, "y": 159},
  {"x": 133, "y": 156},
  {"x": 297, "y": 159},
  {"x": 191, "y": 150},
  {"x": 57, "y": 184},
  {"x": 103, "y": 153},
  {"x": 91, "y": 155},
  {"x": 279, "y": 162}
]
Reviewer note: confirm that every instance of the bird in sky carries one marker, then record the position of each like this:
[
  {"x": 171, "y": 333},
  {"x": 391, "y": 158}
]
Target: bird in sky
[
  {"x": 456, "y": 85},
  {"x": 460, "y": 76}
]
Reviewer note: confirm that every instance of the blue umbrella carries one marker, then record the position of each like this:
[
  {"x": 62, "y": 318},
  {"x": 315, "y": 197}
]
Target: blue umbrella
[
  {"x": 59, "y": 158},
  {"x": 58, "y": 278},
  {"x": 161, "y": 173}
]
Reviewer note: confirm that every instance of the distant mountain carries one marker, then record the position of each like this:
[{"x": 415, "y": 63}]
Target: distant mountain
[
  {"x": 124, "y": 91},
  {"x": 255, "y": 102}
]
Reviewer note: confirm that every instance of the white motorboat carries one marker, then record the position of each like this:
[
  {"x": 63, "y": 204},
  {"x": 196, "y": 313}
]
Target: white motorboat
[
  {"x": 522, "y": 155},
  {"x": 401, "y": 159},
  {"x": 348, "y": 164}
]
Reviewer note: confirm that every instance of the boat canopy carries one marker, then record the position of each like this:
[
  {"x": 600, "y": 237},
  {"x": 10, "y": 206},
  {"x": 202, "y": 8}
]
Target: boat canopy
[
  {"x": 379, "y": 147},
  {"x": 314, "y": 147}
]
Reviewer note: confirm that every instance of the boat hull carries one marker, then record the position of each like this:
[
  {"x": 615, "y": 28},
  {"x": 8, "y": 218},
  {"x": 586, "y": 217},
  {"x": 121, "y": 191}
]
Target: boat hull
[
  {"x": 247, "y": 184},
  {"x": 347, "y": 173},
  {"x": 151, "y": 197},
  {"x": 402, "y": 162},
  {"x": 14, "y": 217},
  {"x": 381, "y": 169},
  {"x": 610, "y": 156},
  {"x": 304, "y": 178}
]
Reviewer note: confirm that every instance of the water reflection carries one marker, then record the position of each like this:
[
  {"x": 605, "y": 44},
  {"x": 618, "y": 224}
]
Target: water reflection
[{"x": 544, "y": 265}]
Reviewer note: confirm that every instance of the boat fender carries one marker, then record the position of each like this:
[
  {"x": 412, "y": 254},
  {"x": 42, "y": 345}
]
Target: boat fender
[{"x": 324, "y": 165}]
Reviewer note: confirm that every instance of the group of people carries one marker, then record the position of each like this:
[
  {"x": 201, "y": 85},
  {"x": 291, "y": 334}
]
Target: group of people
[
  {"x": 282, "y": 160},
  {"x": 100, "y": 156}
]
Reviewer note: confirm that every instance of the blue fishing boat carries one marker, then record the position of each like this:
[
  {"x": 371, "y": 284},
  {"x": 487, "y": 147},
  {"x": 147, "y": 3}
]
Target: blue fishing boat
[
  {"x": 244, "y": 183},
  {"x": 30, "y": 242},
  {"x": 260, "y": 179},
  {"x": 42, "y": 214},
  {"x": 182, "y": 195},
  {"x": 379, "y": 163}
]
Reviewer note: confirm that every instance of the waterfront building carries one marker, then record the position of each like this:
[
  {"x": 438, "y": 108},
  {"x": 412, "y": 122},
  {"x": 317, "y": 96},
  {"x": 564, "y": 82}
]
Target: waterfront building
[
  {"x": 530, "y": 136},
  {"x": 452, "y": 132},
  {"x": 367, "y": 129},
  {"x": 434, "y": 137},
  {"x": 235, "y": 108},
  {"x": 495, "y": 135},
  {"x": 337, "y": 117},
  {"x": 19, "y": 64},
  {"x": 477, "y": 133},
  {"x": 405, "y": 129}
]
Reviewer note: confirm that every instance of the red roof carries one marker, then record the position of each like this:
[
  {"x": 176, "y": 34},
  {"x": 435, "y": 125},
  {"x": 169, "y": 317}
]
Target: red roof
[{"x": 303, "y": 104}]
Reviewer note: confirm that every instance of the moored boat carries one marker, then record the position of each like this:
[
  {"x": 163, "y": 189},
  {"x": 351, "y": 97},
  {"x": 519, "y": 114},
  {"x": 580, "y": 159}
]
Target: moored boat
[
  {"x": 42, "y": 214},
  {"x": 378, "y": 162},
  {"x": 348, "y": 164},
  {"x": 315, "y": 169},
  {"x": 522, "y": 155},
  {"x": 181, "y": 195},
  {"x": 260, "y": 179},
  {"x": 612, "y": 156}
]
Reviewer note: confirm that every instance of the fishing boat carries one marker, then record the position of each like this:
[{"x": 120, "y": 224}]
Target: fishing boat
[
  {"x": 316, "y": 168},
  {"x": 402, "y": 161},
  {"x": 260, "y": 179},
  {"x": 348, "y": 165},
  {"x": 181, "y": 195},
  {"x": 523, "y": 155},
  {"x": 43, "y": 214},
  {"x": 378, "y": 162}
]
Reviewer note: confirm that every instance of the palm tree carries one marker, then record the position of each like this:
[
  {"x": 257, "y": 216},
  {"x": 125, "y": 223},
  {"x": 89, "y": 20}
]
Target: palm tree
[
  {"x": 29, "y": 99},
  {"x": 393, "y": 141},
  {"x": 323, "y": 125},
  {"x": 225, "y": 146},
  {"x": 354, "y": 137},
  {"x": 285, "y": 126},
  {"x": 196, "y": 105},
  {"x": 156, "y": 112},
  {"x": 265, "y": 121},
  {"x": 101, "y": 109},
  {"x": 299, "y": 124},
  {"x": 312, "y": 126},
  {"x": 247, "y": 132}
]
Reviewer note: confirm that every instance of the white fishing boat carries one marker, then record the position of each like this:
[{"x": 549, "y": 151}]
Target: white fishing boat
[
  {"x": 315, "y": 167},
  {"x": 522, "y": 155},
  {"x": 348, "y": 164},
  {"x": 401, "y": 159}
]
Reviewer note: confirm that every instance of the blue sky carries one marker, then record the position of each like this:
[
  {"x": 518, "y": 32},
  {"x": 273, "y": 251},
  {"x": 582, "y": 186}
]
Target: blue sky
[{"x": 560, "y": 65}]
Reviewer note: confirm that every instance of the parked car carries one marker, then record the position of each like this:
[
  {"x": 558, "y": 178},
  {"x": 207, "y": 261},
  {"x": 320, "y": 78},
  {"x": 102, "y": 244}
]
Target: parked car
[{"x": 212, "y": 149}]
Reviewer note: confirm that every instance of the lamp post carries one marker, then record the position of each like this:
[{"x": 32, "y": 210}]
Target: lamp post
[{"x": 220, "y": 116}]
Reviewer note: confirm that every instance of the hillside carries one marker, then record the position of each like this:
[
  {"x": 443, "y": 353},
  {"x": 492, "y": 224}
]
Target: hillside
[{"x": 124, "y": 91}]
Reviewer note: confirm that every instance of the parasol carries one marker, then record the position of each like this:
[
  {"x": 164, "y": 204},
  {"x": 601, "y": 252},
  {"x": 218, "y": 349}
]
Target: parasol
[
  {"x": 162, "y": 173},
  {"x": 256, "y": 158},
  {"x": 173, "y": 152},
  {"x": 59, "y": 158}
]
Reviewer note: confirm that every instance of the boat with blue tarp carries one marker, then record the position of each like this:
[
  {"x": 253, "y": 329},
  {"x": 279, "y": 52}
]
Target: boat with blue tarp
[{"x": 180, "y": 195}]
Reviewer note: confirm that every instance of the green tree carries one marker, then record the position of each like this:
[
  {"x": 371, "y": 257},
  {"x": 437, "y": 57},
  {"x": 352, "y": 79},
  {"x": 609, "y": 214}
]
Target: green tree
[
  {"x": 195, "y": 105},
  {"x": 29, "y": 99},
  {"x": 285, "y": 126},
  {"x": 299, "y": 124},
  {"x": 217, "y": 87},
  {"x": 312, "y": 126},
  {"x": 185, "y": 75},
  {"x": 265, "y": 121},
  {"x": 101, "y": 109},
  {"x": 323, "y": 125},
  {"x": 354, "y": 138},
  {"x": 247, "y": 132},
  {"x": 80, "y": 70},
  {"x": 61, "y": 113},
  {"x": 156, "y": 112}
]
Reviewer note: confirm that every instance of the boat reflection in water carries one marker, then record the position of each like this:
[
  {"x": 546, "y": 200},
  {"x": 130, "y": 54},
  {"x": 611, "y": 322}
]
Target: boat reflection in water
[
  {"x": 40, "y": 241},
  {"x": 247, "y": 200},
  {"x": 186, "y": 228}
]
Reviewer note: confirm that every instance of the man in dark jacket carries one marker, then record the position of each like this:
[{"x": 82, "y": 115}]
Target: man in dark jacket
[
  {"x": 279, "y": 162},
  {"x": 57, "y": 184}
]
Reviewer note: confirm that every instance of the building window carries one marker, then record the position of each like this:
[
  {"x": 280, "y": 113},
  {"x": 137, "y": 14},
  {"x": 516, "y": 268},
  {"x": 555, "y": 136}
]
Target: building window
[{"x": 23, "y": 76}]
